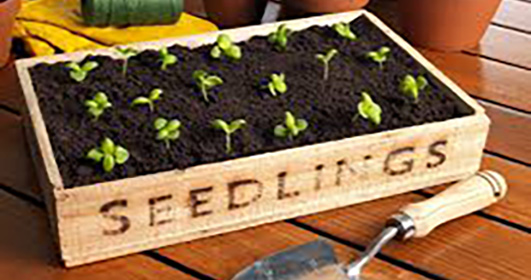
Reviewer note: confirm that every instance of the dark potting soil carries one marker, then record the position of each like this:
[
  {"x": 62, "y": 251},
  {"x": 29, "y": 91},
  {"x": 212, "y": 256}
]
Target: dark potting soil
[{"x": 328, "y": 106}]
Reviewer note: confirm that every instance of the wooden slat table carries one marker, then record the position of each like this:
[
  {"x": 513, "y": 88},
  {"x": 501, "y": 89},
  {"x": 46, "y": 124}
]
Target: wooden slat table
[{"x": 491, "y": 244}]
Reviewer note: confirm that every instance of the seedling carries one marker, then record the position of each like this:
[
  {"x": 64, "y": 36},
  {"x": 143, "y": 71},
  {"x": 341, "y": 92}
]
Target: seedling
[
  {"x": 369, "y": 110},
  {"x": 229, "y": 129},
  {"x": 291, "y": 128},
  {"x": 109, "y": 154},
  {"x": 97, "y": 105},
  {"x": 167, "y": 130},
  {"x": 380, "y": 56},
  {"x": 126, "y": 53},
  {"x": 205, "y": 82},
  {"x": 343, "y": 29},
  {"x": 277, "y": 84},
  {"x": 411, "y": 86},
  {"x": 227, "y": 47},
  {"x": 166, "y": 58},
  {"x": 280, "y": 37},
  {"x": 80, "y": 72},
  {"x": 154, "y": 95},
  {"x": 325, "y": 59}
]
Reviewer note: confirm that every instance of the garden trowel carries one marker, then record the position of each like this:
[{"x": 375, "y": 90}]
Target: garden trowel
[{"x": 317, "y": 260}]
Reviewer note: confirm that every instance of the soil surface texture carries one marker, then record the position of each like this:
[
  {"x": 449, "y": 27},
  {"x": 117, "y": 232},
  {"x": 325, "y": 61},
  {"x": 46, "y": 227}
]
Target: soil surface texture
[{"x": 328, "y": 106}]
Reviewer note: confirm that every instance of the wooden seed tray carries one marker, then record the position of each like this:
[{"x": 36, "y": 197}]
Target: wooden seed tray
[{"x": 111, "y": 219}]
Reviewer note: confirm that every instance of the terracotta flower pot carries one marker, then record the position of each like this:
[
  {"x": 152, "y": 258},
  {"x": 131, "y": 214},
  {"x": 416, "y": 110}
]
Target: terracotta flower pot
[
  {"x": 233, "y": 13},
  {"x": 8, "y": 10},
  {"x": 301, "y": 7},
  {"x": 447, "y": 25}
]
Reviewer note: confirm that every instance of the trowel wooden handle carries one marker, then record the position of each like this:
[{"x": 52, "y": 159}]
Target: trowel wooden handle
[{"x": 465, "y": 197}]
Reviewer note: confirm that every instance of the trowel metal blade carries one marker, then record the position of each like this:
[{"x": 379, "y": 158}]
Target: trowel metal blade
[{"x": 315, "y": 260}]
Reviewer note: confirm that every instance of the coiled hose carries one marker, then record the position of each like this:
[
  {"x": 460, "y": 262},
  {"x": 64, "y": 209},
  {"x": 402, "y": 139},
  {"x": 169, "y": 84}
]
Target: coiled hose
[{"x": 130, "y": 12}]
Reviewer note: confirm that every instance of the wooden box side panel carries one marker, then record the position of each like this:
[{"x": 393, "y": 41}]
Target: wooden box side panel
[{"x": 127, "y": 216}]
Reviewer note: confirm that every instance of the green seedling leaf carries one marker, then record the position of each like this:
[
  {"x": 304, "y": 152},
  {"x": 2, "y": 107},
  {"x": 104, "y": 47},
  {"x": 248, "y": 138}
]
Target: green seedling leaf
[
  {"x": 224, "y": 41},
  {"x": 228, "y": 129},
  {"x": 280, "y": 37},
  {"x": 216, "y": 52},
  {"x": 205, "y": 82},
  {"x": 343, "y": 29},
  {"x": 126, "y": 53},
  {"x": 108, "y": 154},
  {"x": 166, "y": 58},
  {"x": 380, "y": 56},
  {"x": 95, "y": 155},
  {"x": 411, "y": 86},
  {"x": 277, "y": 84},
  {"x": 154, "y": 95},
  {"x": 80, "y": 72},
  {"x": 121, "y": 155},
  {"x": 368, "y": 109},
  {"x": 97, "y": 105},
  {"x": 325, "y": 60},
  {"x": 167, "y": 131},
  {"x": 225, "y": 46},
  {"x": 291, "y": 128},
  {"x": 108, "y": 163}
]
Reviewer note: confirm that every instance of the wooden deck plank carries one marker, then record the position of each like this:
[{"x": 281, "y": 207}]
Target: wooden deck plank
[
  {"x": 223, "y": 256},
  {"x": 515, "y": 14},
  {"x": 506, "y": 45},
  {"x": 514, "y": 207},
  {"x": 472, "y": 248},
  {"x": 10, "y": 91},
  {"x": 486, "y": 79},
  {"x": 509, "y": 133},
  {"x": 27, "y": 251}
]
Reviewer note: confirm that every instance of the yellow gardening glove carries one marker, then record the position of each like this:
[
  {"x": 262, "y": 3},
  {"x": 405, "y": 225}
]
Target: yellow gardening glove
[{"x": 58, "y": 23}]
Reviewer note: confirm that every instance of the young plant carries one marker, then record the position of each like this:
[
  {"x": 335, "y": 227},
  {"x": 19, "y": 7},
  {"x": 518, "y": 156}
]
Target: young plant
[
  {"x": 205, "y": 82},
  {"x": 109, "y": 154},
  {"x": 226, "y": 47},
  {"x": 154, "y": 95},
  {"x": 97, "y": 105},
  {"x": 167, "y": 130},
  {"x": 280, "y": 37},
  {"x": 411, "y": 86},
  {"x": 343, "y": 29},
  {"x": 80, "y": 72},
  {"x": 325, "y": 59},
  {"x": 369, "y": 110},
  {"x": 229, "y": 129},
  {"x": 126, "y": 53},
  {"x": 380, "y": 56},
  {"x": 291, "y": 128},
  {"x": 277, "y": 84},
  {"x": 166, "y": 58}
]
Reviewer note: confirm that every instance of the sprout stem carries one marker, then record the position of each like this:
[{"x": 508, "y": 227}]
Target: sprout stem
[{"x": 228, "y": 146}]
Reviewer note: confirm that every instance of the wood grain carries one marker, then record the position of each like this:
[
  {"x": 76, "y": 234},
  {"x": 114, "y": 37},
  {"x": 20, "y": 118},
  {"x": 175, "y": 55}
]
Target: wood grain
[
  {"x": 16, "y": 167},
  {"x": 27, "y": 251},
  {"x": 471, "y": 248},
  {"x": 274, "y": 186},
  {"x": 509, "y": 132},
  {"x": 515, "y": 14},
  {"x": 515, "y": 207},
  {"x": 223, "y": 256},
  {"x": 486, "y": 79},
  {"x": 506, "y": 45},
  {"x": 10, "y": 92}
]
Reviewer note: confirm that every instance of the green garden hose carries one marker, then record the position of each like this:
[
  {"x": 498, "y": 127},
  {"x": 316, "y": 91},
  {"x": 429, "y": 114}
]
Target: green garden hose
[{"x": 130, "y": 12}]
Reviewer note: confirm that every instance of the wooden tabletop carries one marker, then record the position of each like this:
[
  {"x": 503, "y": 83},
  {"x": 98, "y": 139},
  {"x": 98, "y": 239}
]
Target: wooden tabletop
[{"x": 491, "y": 244}]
